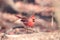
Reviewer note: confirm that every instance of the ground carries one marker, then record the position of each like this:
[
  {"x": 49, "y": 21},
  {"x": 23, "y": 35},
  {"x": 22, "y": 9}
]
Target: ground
[{"x": 35, "y": 36}]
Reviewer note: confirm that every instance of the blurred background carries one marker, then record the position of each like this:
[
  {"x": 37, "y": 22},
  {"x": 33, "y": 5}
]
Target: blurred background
[{"x": 27, "y": 16}]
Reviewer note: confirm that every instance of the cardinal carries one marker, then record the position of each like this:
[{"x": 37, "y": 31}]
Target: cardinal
[{"x": 29, "y": 22}]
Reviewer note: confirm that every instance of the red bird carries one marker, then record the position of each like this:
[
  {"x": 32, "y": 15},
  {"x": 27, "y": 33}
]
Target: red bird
[{"x": 29, "y": 22}]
